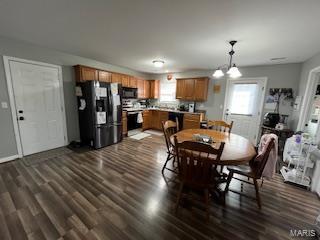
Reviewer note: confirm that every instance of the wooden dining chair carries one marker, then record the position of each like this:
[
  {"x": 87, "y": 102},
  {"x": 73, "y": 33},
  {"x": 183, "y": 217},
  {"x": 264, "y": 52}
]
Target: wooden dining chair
[
  {"x": 219, "y": 125},
  {"x": 169, "y": 128},
  {"x": 196, "y": 169},
  {"x": 252, "y": 171}
]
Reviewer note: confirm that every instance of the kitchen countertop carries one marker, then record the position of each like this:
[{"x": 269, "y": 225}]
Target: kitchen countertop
[{"x": 160, "y": 109}]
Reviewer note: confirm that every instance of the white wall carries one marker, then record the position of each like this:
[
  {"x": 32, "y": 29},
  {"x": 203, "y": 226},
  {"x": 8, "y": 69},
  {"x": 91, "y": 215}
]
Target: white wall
[
  {"x": 307, "y": 66},
  {"x": 279, "y": 76},
  {"x": 27, "y": 51}
]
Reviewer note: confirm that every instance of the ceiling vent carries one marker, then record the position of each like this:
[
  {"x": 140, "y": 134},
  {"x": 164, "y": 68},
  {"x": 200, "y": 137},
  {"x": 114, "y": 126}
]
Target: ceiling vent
[{"x": 278, "y": 58}]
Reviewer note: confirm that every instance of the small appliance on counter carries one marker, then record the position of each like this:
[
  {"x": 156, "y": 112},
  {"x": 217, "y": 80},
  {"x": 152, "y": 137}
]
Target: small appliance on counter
[
  {"x": 282, "y": 124},
  {"x": 182, "y": 107},
  {"x": 191, "y": 107},
  {"x": 271, "y": 119}
]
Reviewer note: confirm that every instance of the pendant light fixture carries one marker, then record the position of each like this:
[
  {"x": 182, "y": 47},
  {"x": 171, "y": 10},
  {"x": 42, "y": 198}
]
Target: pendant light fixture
[{"x": 232, "y": 69}]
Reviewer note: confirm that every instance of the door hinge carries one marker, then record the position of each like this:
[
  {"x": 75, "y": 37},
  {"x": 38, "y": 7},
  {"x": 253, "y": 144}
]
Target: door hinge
[
  {"x": 61, "y": 109},
  {"x": 262, "y": 88}
]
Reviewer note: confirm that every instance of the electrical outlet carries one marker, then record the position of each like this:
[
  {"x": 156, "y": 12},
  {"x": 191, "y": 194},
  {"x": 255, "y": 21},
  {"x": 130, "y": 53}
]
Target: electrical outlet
[{"x": 4, "y": 104}]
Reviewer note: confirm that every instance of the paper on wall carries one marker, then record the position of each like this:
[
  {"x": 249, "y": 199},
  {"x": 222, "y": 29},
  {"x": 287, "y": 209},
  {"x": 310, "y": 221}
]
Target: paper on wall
[
  {"x": 270, "y": 106},
  {"x": 114, "y": 88},
  {"x": 116, "y": 100},
  {"x": 82, "y": 104},
  {"x": 78, "y": 91}
]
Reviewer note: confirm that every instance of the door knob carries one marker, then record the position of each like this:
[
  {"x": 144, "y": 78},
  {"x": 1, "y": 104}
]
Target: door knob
[{"x": 21, "y": 118}]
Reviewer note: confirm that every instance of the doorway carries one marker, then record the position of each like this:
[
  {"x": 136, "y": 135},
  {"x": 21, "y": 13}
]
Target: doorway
[
  {"x": 37, "y": 105},
  {"x": 243, "y": 105}
]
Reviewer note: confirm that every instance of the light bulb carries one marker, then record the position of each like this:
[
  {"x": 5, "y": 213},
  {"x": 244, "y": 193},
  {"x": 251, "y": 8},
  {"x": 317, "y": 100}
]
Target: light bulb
[
  {"x": 158, "y": 63},
  {"x": 218, "y": 73},
  {"x": 234, "y": 72}
]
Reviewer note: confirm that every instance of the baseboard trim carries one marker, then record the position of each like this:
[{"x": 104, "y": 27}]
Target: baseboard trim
[{"x": 7, "y": 159}]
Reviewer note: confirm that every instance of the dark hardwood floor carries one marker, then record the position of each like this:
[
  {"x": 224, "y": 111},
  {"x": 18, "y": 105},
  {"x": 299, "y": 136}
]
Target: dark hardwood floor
[{"x": 119, "y": 193}]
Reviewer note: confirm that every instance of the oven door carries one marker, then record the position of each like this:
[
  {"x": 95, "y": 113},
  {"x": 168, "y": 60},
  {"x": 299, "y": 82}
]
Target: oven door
[
  {"x": 129, "y": 93},
  {"x": 133, "y": 121}
]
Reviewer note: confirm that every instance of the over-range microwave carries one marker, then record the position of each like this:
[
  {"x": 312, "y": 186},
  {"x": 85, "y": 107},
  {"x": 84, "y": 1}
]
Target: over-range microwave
[{"x": 130, "y": 93}]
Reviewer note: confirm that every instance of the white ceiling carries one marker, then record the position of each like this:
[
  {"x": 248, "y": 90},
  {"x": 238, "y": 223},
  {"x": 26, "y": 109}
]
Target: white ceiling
[{"x": 186, "y": 34}]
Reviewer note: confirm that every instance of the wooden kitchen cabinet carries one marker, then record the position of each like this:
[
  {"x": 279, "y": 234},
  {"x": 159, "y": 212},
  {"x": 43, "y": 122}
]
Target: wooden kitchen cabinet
[
  {"x": 163, "y": 116},
  {"x": 180, "y": 89},
  {"x": 147, "y": 119},
  {"x": 125, "y": 80},
  {"x": 140, "y": 86},
  {"x": 116, "y": 78},
  {"x": 104, "y": 76},
  {"x": 192, "y": 89},
  {"x": 155, "y": 119},
  {"x": 133, "y": 82},
  {"x": 85, "y": 73},
  {"x": 201, "y": 89},
  {"x": 146, "y": 89},
  {"x": 124, "y": 123},
  {"x": 154, "y": 89},
  {"x": 191, "y": 121},
  {"x": 189, "y": 89}
]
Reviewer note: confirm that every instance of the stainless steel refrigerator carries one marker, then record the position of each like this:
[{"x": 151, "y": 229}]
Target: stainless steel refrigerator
[{"x": 100, "y": 113}]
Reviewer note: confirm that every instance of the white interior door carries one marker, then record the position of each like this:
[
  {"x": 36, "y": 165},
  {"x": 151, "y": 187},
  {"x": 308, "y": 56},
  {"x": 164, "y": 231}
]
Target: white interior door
[
  {"x": 243, "y": 106},
  {"x": 37, "y": 90}
]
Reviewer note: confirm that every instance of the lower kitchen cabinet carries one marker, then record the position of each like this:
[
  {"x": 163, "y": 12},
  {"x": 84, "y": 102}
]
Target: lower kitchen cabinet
[
  {"x": 124, "y": 123},
  {"x": 191, "y": 121},
  {"x": 152, "y": 119},
  {"x": 147, "y": 119},
  {"x": 163, "y": 116}
]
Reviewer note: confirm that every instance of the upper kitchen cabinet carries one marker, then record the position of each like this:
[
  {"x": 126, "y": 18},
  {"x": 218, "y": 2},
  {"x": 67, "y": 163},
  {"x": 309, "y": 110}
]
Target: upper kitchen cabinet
[
  {"x": 180, "y": 89},
  {"x": 201, "y": 89},
  {"x": 116, "y": 78},
  {"x": 146, "y": 90},
  {"x": 125, "y": 80},
  {"x": 85, "y": 73},
  {"x": 140, "y": 86},
  {"x": 189, "y": 89},
  {"x": 133, "y": 82},
  {"x": 192, "y": 89},
  {"x": 104, "y": 76},
  {"x": 154, "y": 89}
]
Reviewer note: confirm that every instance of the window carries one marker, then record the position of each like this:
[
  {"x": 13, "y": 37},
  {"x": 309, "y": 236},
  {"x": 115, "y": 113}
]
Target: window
[
  {"x": 168, "y": 92},
  {"x": 243, "y": 98}
]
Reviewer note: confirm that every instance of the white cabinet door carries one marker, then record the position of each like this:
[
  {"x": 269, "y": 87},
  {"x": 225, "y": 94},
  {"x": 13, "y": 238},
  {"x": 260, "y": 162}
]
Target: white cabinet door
[{"x": 38, "y": 104}]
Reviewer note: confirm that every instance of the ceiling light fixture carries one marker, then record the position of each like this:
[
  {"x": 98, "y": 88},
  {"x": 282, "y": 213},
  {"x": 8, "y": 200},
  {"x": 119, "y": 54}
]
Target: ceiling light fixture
[
  {"x": 232, "y": 69},
  {"x": 158, "y": 63}
]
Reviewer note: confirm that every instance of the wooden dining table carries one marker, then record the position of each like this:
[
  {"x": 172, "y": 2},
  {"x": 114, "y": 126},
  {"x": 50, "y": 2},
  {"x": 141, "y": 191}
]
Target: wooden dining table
[{"x": 237, "y": 149}]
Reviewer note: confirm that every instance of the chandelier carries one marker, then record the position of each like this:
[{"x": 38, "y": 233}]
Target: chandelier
[{"x": 232, "y": 69}]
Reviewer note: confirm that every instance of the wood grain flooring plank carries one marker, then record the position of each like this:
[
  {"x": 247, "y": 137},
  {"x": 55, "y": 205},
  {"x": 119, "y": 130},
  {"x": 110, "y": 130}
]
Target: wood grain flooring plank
[
  {"x": 118, "y": 192},
  {"x": 15, "y": 227}
]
